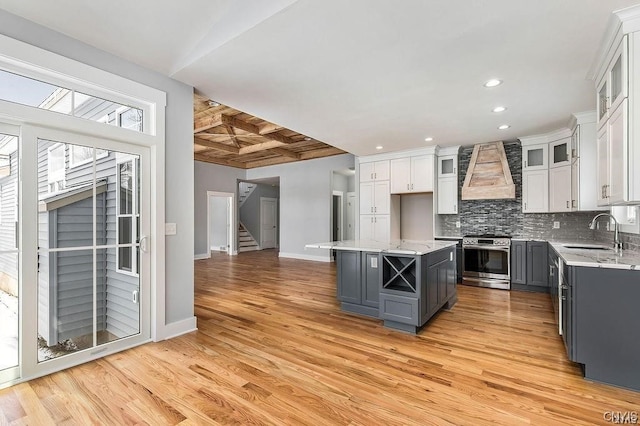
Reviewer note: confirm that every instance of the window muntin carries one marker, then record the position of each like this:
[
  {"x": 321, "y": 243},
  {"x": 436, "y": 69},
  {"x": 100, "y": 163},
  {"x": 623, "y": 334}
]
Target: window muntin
[{"x": 128, "y": 214}]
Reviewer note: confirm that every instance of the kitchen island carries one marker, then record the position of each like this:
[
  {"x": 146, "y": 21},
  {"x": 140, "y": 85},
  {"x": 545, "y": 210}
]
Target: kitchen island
[{"x": 404, "y": 283}]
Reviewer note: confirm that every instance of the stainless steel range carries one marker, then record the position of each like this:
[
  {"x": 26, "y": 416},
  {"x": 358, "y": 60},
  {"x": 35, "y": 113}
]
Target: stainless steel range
[{"x": 487, "y": 261}]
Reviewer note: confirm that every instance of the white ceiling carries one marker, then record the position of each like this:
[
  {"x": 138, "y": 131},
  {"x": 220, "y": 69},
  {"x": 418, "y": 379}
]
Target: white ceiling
[{"x": 361, "y": 73}]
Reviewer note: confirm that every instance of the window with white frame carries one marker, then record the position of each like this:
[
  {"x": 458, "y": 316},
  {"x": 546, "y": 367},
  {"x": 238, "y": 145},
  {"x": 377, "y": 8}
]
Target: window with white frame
[
  {"x": 128, "y": 213},
  {"x": 79, "y": 155},
  {"x": 56, "y": 167}
]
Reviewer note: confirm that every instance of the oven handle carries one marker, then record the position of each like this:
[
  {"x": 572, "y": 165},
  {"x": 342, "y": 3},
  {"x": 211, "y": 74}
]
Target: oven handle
[{"x": 492, "y": 248}]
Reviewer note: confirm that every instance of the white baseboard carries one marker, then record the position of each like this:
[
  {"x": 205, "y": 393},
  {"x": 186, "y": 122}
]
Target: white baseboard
[
  {"x": 305, "y": 257},
  {"x": 202, "y": 256},
  {"x": 178, "y": 328}
]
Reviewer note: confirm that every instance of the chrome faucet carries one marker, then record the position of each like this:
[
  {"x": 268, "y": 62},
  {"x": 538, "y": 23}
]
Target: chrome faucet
[{"x": 617, "y": 244}]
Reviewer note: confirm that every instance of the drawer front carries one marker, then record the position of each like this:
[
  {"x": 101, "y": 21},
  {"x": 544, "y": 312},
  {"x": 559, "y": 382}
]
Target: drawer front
[{"x": 400, "y": 309}]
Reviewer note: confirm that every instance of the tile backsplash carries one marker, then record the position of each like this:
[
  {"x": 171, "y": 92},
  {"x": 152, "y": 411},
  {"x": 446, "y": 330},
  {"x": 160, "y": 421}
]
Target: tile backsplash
[{"x": 506, "y": 217}]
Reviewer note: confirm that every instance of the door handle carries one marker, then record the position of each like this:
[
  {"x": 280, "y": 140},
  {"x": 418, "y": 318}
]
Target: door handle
[
  {"x": 567, "y": 203},
  {"x": 143, "y": 244},
  {"x": 407, "y": 187}
]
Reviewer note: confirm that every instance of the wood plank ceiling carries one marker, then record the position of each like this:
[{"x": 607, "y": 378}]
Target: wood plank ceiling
[{"x": 223, "y": 135}]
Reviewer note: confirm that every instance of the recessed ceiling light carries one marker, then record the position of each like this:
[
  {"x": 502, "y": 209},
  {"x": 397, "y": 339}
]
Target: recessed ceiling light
[
  {"x": 429, "y": 139},
  {"x": 499, "y": 109},
  {"x": 379, "y": 147},
  {"x": 307, "y": 138},
  {"x": 493, "y": 83},
  {"x": 213, "y": 104},
  {"x": 503, "y": 127}
]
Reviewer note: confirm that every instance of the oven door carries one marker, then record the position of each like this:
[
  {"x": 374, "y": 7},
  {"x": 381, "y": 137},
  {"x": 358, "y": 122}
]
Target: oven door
[{"x": 487, "y": 262}]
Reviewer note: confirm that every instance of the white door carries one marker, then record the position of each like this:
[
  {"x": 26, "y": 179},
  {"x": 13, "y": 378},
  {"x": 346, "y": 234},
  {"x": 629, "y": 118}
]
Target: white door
[
  {"x": 219, "y": 217},
  {"x": 268, "y": 222},
  {"x": 535, "y": 191},
  {"x": 381, "y": 197},
  {"x": 381, "y": 228},
  {"x": 575, "y": 185},
  {"x": 617, "y": 190},
  {"x": 366, "y": 227},
  {"x": 366, "y": 198},
  {"x": 400, "y": 175},
  {"x": 602, "y": 176},
  {"x": 448, "y": 195},
  {"x": 422, "y": 173},
  {"x": 560, "y": 189},
  {"x": 92, "y": 282},
  {"x": 351, "y": 216},
  {"x": 367, "y": 171}
]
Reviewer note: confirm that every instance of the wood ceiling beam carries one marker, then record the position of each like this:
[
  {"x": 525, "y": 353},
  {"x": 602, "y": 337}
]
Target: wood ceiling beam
[
  {"x": 266, "y": 128},
  {"x": 216, "y": 145},
  {"x": 286, "y": 153},
  {"x": 252, "y": 128},
  {"x": 249, "y": 136},
  {"x": 207, "y": 123},
  {"x": 232, "y": 135},
  {"x": 260, "y": 147},
  {"x": 268, "y": 162}
]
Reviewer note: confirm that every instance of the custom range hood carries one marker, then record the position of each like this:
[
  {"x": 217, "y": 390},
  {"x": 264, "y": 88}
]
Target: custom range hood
[{"x": 488, "y": 176}]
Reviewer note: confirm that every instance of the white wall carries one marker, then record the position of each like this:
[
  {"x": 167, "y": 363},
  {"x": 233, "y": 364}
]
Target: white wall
[
  {"x": 416, "y": 216},
  {"x": 210, "y": 177},
  {"x": 179, "y": 150},
  {"x": 305, "y": 202}
]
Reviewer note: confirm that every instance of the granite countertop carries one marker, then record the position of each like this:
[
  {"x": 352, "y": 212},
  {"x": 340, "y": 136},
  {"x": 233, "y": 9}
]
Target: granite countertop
[
  {"x": 394, "y": 247},
  {"x": 598, "y": 258}
]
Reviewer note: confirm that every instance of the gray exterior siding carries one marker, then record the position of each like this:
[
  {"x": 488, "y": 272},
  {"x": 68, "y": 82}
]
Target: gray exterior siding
[
  {"x": 66, "y": 278},
  {"x": 8, "y": 210}
]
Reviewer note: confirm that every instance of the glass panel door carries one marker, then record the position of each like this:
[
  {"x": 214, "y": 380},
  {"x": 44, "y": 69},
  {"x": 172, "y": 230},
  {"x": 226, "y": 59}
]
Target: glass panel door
[
  {"x": 90, "y": 222},
  {"x": 9, "y": 276}
]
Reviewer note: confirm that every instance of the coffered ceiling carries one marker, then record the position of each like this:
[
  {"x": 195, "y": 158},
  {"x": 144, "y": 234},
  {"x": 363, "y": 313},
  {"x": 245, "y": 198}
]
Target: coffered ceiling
[
  {"x": 226, "y": 136},
  {"x": 361, "y": 73}
]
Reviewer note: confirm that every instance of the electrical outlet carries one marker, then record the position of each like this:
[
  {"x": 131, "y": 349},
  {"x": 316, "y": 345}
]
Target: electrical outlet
[
  {"x": 458, "y": 224},
  {"x": 556, "y": 225},
  {"x": 170, "y": 229}
]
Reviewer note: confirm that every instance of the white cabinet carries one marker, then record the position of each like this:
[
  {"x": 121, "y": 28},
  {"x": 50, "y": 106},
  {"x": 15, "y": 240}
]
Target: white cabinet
[
  {"x": 535, "y": 191},
  {"x": 447, "y": 195},
  {"x": 560, "y": 189},
  {"x": 535, "y": 157},
  {"x": 618, "y": 164},
  {"x": 602, "y": 173},
  {"x": 447, "y": 189},
  {"x": 560, "y": 153},
  {"x": 375, "y": 227},
  {"x": 612, "y": 88},
  {"x": 374, "y": 171},
  {"x": 412, "y": 174},
  {"x": 374, "y": 197}
]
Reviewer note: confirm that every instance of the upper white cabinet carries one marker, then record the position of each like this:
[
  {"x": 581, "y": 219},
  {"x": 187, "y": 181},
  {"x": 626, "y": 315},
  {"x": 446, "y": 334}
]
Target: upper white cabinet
[
  {"x": 560, "y": 153},
  {"x": 535, "y": 191},
  {"x": 584, "y": 162},
  {"x": 412, "y": 174},
  {"x": 560, "y": 189},
  {"x": 535, "y": 157},
  {"x": 618, "y": 95},
  {"x": 374, "y": 171},
  {"x": 447, "y": 189},
  {"x": 613, "y": 85}
]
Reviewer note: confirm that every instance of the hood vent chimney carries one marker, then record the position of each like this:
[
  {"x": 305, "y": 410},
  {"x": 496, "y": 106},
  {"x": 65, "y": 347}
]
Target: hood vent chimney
[{"x": 488, "y": 176}]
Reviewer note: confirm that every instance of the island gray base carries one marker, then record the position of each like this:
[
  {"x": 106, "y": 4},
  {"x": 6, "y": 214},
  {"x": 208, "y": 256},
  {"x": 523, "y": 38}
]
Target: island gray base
[
  {"x": 400, "y": 326},
  {"x": 360, "y": 309}
]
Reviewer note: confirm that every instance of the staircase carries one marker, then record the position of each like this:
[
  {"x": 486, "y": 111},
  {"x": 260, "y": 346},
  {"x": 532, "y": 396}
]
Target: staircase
[
  {"x": 245, "y": 241},
  {"x": 244, "y": 190}
]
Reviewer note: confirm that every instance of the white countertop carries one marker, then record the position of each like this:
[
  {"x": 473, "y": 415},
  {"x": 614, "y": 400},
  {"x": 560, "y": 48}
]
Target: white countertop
[
  {"x": 394, "y": 247},
  {"x": 596, "y": 258}
]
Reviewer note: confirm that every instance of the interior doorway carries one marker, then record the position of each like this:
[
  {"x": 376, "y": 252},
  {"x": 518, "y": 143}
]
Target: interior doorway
[
  {"x": 337, "y": 216},
  {"x": 350, "y": 217},
  {"x": 220, "y": 222}
]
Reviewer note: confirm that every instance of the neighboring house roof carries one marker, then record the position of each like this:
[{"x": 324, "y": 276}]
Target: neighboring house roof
[{"x": 71, "y": 195}]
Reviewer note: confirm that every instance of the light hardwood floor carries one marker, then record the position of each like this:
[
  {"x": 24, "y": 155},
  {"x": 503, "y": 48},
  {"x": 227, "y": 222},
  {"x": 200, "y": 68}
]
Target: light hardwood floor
[{"x": 273, "y": 347}]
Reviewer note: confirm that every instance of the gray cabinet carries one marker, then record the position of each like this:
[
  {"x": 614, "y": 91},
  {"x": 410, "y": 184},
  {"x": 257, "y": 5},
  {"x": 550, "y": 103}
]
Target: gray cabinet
[
  {"x": 600, "y": 323},
  {"x": 358, "y": 282},
  {"x": 414, "y": 288},
  {"x": 529, "y": 266},
  {"x": 537, "y": 263},
  {"x": 519, "y": 262}
]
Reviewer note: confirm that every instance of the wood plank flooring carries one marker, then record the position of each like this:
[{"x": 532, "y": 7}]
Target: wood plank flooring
[{"x": 273, "y": 347}]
